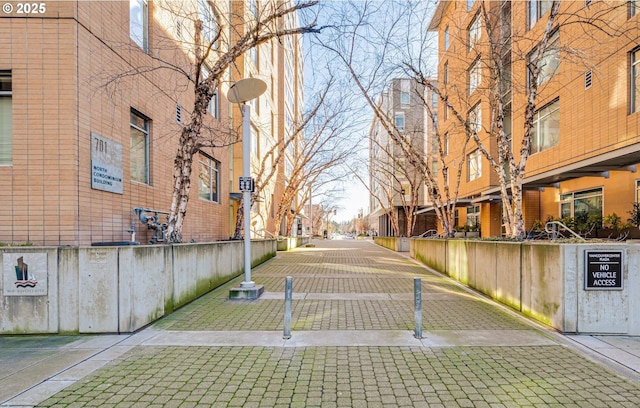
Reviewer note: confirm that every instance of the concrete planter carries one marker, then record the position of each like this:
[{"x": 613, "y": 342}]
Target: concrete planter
[
  {"x": 398, "y": 244},
  {"x": 546, "y": 281},
  {"x": 467, "y": 234},
  {"x": 286, "y": 244},
  {"x": 114, "y": 289}
]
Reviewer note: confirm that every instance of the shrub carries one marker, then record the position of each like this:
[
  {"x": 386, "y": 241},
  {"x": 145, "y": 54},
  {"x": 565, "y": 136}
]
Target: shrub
[
  {"x": 613, "y": 221},
  {"x": 635, "y": 215}
]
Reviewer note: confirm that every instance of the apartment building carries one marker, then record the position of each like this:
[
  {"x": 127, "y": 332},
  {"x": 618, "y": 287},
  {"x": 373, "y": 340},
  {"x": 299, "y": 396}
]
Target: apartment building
[
  {"x": 279, "y": 64},
  {"x": 93, "y": 98},
  {"x": 585, "y": 136},
  {"x": 397, "y": 187}
]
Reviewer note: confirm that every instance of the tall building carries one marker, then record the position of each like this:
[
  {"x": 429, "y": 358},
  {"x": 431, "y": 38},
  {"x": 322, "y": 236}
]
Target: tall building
[
  {"x": 397, "y": 187},
  {"x": 278, "y": 63},
  {"x": 93, "y": 97},
  {"x": 585, "y": 143}
]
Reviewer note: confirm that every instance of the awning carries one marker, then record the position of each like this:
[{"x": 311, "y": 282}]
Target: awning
[
  {"x": 462, "y": 202},
  {"x": 624, "y": 159},
  {"x": 488, "y": 197}
]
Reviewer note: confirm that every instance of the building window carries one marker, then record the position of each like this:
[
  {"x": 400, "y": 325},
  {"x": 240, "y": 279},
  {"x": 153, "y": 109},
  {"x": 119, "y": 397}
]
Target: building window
[
  {"x": 475, "y": 118},
  {"x": 445, "y": 73},
  {"x": 404, "y": 98},
  {"x": 581, "y": 205},
  {"x": 507, "y": 122},
  {"x": 546, "y": 127},
  {"x": 473, "y": 217},
  {"x": 399, "y": 121},
  {"x": 434, "y": 109},
  {"x": 214, "y": 105},
  {"x": 474, "y": 31},
  {"x": 255, "y": 105},
  {"x": 253, "y": 56},
  {"x": 549, "y": 61},
  {"x": 445, "y": 148},
  {"x": 288, "y": 167},
  {"x": 537, "y": 9},
  {"x": 139, "y": 23},
  {"x": 446, "y": 38},
  {"x": 638, "y": 191},
  {"x": 208, "y": 179},
  {"x": 475, "y": 76},
  {"x": 474, "y": 165},
  {"x": 210, "y": 23},
  {"x": 469, "y": 4},
  {"x": 139, "y": 148},
  {"x": 253, "y": 8},
  {"x": 634, "y": 8},
  {"x": 6, "y": 120},
  {"x": 635, "y": 81}
]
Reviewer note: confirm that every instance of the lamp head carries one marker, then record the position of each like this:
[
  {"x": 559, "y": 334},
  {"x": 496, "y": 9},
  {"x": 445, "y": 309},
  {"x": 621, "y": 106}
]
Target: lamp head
[{"x": 246, "y": 89}]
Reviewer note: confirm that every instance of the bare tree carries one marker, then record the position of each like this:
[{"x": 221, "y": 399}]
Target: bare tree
[
  {"x": 393, "y": 47},
  {"x": 498, "y": 45},
  {"x": 256, "y": 32},
  {"x": 311, "y": 155},
  {"x": 496, "y": 50},
  {"x": 210, "y": 44},
  {"x": 403, "y": 183},
  {"x": 316, "y": 160},
  {"x": 384, "y": 196}
]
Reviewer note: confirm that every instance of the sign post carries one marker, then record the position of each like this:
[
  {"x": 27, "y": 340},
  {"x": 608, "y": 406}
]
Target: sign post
[{"x": 240, "y": 93}]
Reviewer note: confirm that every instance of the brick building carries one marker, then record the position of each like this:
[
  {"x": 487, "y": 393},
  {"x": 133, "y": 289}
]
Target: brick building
[
  {"x": 586, "y": 134},
  {"x": 90, "y": 117},
  {"x": 396, "y": 186}
]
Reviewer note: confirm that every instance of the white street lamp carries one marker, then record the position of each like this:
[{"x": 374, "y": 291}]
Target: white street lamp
[{"x": 241, "y": 92}]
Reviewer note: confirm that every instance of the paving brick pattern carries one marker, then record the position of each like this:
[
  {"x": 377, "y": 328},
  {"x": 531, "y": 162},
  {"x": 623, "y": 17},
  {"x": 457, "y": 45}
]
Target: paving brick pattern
[
  {"x": 551, "y": 375},
  {"x": 351, "y": 377},
  {"x": 214, "y": 314}
]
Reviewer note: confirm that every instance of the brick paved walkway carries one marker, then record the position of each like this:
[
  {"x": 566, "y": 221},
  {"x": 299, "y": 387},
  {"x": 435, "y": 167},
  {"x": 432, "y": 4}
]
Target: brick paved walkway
[{"x": 352, "y": 345}]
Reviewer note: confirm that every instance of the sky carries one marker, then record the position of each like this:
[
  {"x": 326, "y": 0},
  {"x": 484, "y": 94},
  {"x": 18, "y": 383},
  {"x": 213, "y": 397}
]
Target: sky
[{"x": 350, "y": 196}]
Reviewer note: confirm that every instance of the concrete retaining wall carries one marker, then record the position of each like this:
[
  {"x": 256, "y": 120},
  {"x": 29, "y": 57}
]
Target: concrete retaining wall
[
  {"x": 285, "y": 244},
  {"x": 115, "y": 289},
  {"x": 398, "y": 244},
  {"x": 545, "y": 281}
]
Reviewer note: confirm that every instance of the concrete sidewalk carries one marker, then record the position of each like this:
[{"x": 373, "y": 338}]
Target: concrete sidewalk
[{"x": 352, "y": 345}]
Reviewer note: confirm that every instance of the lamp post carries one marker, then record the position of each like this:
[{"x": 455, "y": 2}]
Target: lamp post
[{"x": 241, "y": 92}]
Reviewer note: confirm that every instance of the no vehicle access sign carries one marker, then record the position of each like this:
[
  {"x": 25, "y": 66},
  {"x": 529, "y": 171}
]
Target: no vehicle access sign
[{"x": 603, "y": 270}]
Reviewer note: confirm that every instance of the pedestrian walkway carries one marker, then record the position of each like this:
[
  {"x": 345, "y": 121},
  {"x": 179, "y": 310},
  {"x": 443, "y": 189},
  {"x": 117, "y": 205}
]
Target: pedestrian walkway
[{"x": 352, "y": 345}]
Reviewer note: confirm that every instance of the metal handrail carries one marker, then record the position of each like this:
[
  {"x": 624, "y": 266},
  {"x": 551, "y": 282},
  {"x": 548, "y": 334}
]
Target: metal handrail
[
  {"x": 428, "y": 233},
  {"x": 266, "y": 234},
  {"x": 554, "y": 231}
]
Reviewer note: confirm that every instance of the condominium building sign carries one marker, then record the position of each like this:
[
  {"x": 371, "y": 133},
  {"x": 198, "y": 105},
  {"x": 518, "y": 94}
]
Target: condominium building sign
[{"x": 106, "y": 164}]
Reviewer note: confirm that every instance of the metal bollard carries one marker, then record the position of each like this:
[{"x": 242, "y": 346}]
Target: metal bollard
[
  {"x": 288, "y": 294},
  {"x": 417, "y": 301}
]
